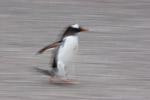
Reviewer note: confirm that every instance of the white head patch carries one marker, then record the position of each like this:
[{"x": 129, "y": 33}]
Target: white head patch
[{"x": 75, "y": 26}]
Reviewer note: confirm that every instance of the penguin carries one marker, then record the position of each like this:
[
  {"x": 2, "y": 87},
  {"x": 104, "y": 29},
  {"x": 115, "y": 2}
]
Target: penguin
[{"x": 66, "y": 49}]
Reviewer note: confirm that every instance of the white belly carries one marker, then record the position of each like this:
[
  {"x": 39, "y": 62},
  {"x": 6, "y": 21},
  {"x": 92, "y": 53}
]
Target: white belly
[
  {"x": 68, "y": 49},
  {"x": 65, "y": 55}
]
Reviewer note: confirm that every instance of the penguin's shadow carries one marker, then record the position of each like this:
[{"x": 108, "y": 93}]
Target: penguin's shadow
[{"x": 49, "y": 82}]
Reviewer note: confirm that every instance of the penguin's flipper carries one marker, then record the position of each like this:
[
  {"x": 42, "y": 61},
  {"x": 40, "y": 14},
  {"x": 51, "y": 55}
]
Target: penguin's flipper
[{"x": 53, "y": 45}]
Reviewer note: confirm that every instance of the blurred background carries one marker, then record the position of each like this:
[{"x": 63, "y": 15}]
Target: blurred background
[{"x": 113, "y": 59}]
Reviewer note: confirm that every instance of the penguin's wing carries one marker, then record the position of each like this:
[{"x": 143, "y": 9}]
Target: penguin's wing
[{"x": 53, "y": 45}]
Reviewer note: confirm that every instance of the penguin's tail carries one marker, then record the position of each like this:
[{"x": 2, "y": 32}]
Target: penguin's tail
[{"x": 45, "y": 72}]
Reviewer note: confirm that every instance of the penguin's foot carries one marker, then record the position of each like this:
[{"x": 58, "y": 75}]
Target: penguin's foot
[
  {"x": 69, "y": 81},
  {"x": 58, "y": 80}
]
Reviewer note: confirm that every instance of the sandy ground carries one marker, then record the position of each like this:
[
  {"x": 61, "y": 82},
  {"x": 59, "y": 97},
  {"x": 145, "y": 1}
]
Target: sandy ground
[{"x": 113, "y": 60}]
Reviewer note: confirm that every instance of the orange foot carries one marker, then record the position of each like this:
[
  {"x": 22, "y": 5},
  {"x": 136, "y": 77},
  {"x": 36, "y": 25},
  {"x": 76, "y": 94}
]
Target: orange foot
[
  {"x": 63, "y": 81},
  {"x": 69, "y": 81}
]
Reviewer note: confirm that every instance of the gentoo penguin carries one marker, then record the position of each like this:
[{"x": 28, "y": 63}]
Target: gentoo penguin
[{"x": 66, "y": 47}]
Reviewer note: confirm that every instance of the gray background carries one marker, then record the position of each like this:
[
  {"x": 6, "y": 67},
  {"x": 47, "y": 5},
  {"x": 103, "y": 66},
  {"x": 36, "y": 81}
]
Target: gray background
[{"x": 113, "y": 60}]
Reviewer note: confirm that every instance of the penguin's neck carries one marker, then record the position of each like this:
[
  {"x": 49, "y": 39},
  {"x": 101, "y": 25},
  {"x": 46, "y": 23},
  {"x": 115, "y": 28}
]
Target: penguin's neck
[
  {"x": 72, "y": 34},
  {"x": 71, "y": 37}
]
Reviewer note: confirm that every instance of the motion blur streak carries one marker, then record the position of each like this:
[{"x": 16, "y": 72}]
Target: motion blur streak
[{"x": 113, "y": 59}]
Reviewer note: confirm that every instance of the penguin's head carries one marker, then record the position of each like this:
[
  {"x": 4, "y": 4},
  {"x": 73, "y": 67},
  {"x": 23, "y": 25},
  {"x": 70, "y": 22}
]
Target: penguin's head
[
  {"x": 77, "y": 28},
  {"x": 73, "y": 30}
]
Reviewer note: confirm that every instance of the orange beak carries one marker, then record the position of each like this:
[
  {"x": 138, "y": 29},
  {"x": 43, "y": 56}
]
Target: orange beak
[{"x": 84, "y": 29}]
